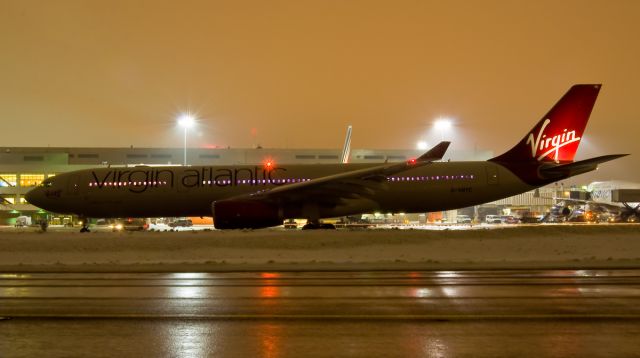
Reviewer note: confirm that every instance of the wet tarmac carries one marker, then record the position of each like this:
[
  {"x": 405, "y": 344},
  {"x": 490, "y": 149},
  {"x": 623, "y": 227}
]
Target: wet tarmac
[{"x": 292, "y": 314}]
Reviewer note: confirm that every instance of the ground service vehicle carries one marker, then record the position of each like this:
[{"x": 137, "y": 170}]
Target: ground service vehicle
[
  {"x": 493, "y": 219},
  {"x": 463, "y": 219}
]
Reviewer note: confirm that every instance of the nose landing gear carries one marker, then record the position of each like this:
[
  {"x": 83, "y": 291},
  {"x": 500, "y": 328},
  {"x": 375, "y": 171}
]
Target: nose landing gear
[{"x": 85, "y": 224}]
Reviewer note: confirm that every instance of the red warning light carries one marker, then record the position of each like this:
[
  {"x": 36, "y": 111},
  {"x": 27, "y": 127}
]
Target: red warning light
[
  {"x": 268, "y": 164},
  {"x": 411, "y": 161},
  {"x": 269, "y": 275}
]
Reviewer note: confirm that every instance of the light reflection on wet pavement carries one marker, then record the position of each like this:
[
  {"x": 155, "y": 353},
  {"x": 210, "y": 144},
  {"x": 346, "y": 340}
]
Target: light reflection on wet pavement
[{"x": 293, "y": 314}]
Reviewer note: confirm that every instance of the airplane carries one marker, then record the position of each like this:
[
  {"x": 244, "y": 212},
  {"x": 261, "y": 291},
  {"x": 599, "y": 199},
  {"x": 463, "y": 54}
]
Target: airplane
[
  {"x": 346, "y": 149},
  {"x": 260, "y": 196},
  {"x": 599, "y": 204}
]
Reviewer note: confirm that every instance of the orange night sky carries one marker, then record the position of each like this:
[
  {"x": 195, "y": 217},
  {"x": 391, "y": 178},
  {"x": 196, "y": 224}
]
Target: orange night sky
[{"x": 296, "y": 73}]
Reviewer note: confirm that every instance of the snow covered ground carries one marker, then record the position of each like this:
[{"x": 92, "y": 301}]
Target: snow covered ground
[{"x": 577, "y": 246}]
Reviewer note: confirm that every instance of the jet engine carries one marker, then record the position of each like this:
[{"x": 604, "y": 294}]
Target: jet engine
[
  {"x": 561, "y": 210},
  {"x": 558, "y": 213},
  {"x": 245, "y": 214}
]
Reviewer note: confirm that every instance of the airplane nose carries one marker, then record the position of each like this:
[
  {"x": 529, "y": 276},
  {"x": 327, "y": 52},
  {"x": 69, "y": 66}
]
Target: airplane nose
[{"x": 33, "y": 196}]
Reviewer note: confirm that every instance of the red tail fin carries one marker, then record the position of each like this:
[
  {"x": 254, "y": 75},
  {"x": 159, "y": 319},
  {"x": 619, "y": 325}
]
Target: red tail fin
[{"x": 557, "y": 136}]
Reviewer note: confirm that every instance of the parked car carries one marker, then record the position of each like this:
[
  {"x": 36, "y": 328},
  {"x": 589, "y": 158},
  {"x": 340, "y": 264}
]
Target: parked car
[
  {"x": 132, "y": 224},
  {"x": 181, "y": 223},
  {"x": 105, "y": 224},
  {"x": 510, "y": 219},
  {"x": 530, "y": 218},
  {"x": 290, "y": 224},
  {"x": 493, "y": 219},
  {"x": 463, "y": 219},
  {"x": 128, "y": 224}
]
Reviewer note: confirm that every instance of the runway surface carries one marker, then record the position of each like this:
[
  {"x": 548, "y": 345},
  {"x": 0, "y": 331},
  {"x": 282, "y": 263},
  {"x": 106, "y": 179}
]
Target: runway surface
[{"x": 286, "y": 314}]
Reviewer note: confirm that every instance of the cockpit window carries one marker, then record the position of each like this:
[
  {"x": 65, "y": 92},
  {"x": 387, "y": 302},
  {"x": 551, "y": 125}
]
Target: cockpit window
[{"x": 47, "y": 183}]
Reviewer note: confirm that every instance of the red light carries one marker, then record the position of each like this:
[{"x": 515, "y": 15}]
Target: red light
[
  {"x": 270, "y": 291},
  {"x": 268, "y": 164},
  {"x": 412, "y": 161},
  {"x": 269, "y": 275}
]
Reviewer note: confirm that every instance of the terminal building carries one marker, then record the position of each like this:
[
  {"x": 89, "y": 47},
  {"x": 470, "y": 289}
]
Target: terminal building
[{"x": 22, "y": 168}]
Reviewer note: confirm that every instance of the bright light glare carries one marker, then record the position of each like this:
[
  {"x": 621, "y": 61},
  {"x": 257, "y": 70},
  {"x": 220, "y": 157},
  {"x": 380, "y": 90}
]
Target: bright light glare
[
  {"x": 268, "y": 163},
  {"x": 186, "y": 120},
  {"x": 422, "y": 145},
  {"x": 443, "y": 123}
]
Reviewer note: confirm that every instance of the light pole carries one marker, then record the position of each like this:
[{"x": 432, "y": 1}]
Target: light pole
[
  {"x": 186, "y": 121},
  {"x": 442, "y": 125},
  {"x": 422, "y": 145}
]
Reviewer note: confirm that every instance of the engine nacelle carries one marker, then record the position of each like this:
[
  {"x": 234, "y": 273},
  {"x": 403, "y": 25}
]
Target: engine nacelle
[
  {"x": 559, "y": 210},
  {"x": 245, "y": 214}
]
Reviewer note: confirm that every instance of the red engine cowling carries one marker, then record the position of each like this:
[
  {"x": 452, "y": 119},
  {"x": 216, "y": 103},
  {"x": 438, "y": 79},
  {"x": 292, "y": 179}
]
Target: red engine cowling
[{"x": 245, "y": 214}]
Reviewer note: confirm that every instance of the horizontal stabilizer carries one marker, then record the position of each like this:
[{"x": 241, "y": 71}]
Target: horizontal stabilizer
[{"x": 579, "y": 167}]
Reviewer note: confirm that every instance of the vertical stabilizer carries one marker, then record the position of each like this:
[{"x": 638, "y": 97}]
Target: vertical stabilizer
[
  {"x": 346, "y": 150},
  {"x": 557, "y": 136}
]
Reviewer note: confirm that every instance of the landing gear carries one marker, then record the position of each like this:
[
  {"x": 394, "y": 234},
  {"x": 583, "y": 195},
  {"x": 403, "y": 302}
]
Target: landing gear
[
  {"x": 44, "y": 224},
  {"x": 317, "y": 225},
  {"x": 85, "y": 225}
]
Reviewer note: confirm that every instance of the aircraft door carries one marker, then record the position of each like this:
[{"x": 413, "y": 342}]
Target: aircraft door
[{"x": 492, "y": 174}]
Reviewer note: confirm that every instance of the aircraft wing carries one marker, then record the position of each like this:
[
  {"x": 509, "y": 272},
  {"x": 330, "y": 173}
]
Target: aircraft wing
[
  {"x": 590, "y": 203},
  {"x": 601, "y": 206},
  {"x": 332, "y": 189}
]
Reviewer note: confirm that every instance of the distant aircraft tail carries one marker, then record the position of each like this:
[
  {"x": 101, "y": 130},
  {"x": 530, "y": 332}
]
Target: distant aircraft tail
[
  {"x": 555, "y": 139},
  {"x": 346, "y": 149}
]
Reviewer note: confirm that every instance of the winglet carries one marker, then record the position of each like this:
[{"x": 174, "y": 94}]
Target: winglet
[{"x": 435, "y": 153}]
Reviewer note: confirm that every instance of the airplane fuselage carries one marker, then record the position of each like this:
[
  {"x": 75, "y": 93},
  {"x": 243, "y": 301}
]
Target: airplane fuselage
[{"x": 148, "y": 191}]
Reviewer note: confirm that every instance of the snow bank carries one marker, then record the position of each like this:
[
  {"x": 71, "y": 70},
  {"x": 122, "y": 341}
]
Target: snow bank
[{"x": 529, "y": 246}]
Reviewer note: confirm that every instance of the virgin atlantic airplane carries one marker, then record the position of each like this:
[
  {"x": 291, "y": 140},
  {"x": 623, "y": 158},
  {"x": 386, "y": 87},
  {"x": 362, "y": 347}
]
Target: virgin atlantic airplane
[{"x": 259, "y": 196}]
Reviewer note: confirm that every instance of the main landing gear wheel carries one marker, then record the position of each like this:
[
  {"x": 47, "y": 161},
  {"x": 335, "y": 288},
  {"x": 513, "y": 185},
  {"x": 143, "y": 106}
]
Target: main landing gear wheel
[
  {"x": 85, "y": 225},
  {"x": 318, "y": 226}
]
